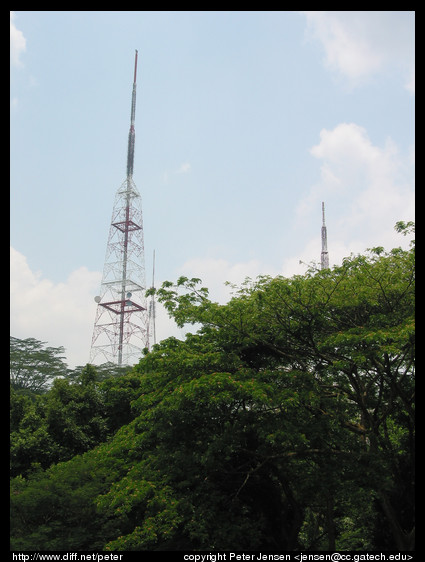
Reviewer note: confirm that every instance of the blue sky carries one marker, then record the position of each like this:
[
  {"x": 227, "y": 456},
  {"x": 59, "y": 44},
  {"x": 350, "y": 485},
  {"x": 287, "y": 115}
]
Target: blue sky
[{"x": 245, "y": 122}]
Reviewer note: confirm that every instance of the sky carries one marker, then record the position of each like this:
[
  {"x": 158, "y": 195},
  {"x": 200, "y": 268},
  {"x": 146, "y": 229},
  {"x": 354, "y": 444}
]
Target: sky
[{"x": 245, "y": 122}]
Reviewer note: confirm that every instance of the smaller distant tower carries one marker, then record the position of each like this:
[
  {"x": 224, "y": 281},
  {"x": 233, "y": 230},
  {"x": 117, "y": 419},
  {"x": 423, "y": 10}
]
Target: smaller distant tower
[
  {"x": 152, "y": 311},
  {"x": 324, "y": 256}
]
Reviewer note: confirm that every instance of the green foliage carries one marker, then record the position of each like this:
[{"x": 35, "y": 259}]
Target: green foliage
[
  {"x": 118, "y": 395},
  {"x": 30, "y": 442},
  {"x": 33, "y": 366},
  {"x": 75, "y": 415},
  {"x": 285, "y": 423},
  {"x": 54, "y": 510},
  {"x": 104, "y": 372}
]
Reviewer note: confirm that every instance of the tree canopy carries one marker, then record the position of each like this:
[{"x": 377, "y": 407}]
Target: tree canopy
[
  {"x": 286, "y": 422},
  {"x": 33, "y": 366}
]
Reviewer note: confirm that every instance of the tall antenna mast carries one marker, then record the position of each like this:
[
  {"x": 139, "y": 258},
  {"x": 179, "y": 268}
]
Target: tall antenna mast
[
  {"x": 121, "y": 325},
  {"x": 324, "y": 255},
  {"x": 152, "y": 311}
]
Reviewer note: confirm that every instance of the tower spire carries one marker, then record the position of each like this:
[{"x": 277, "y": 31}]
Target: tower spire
[
  {"x": 132, "y": 132},
  {"x": 324, "y": 255},
  {"x": 121, "y": 328}
]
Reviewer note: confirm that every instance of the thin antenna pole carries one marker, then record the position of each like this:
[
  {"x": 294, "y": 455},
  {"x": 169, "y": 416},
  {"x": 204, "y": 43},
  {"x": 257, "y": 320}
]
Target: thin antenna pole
[
  {"x": 153, "y": 301},
  {"x": 135, "y": 67}
]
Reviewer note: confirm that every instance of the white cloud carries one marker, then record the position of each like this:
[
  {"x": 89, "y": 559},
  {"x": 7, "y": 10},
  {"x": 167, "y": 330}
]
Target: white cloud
[
  {"x": 372, "y": 174},
  {"x": 360, "y": 44},
  {"x": 346, "y": 50},
  {"x": 183, "y": 169},
  {"x": 165, "y": 327},
  {"x": 17, "y": 42},
  {"x": 61, "y": 314},
  {"x": 14, "y": 102},
  {"x": 410, "y": 85},
  {"x": 167, "y": 176},
  {"x": 215, "y": 272},
  {"x": 368, "y": 188}
]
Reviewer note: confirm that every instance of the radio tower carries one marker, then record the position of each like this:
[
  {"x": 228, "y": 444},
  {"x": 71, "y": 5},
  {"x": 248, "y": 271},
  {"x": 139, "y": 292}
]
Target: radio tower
[
  {"x": 121, "y": 328},
  {"x": 324, "y": 256},
  {"x": 152, "y": 311}
]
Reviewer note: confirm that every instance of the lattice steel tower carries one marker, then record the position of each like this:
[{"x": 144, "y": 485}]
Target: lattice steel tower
[
  {"x": 324, "y": 255},
  {"x": 121, "y": 328}
]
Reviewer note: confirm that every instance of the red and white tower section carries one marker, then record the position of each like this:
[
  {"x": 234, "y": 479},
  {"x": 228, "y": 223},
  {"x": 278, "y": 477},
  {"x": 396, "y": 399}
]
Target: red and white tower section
[{"x": 121, "y": 328}]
